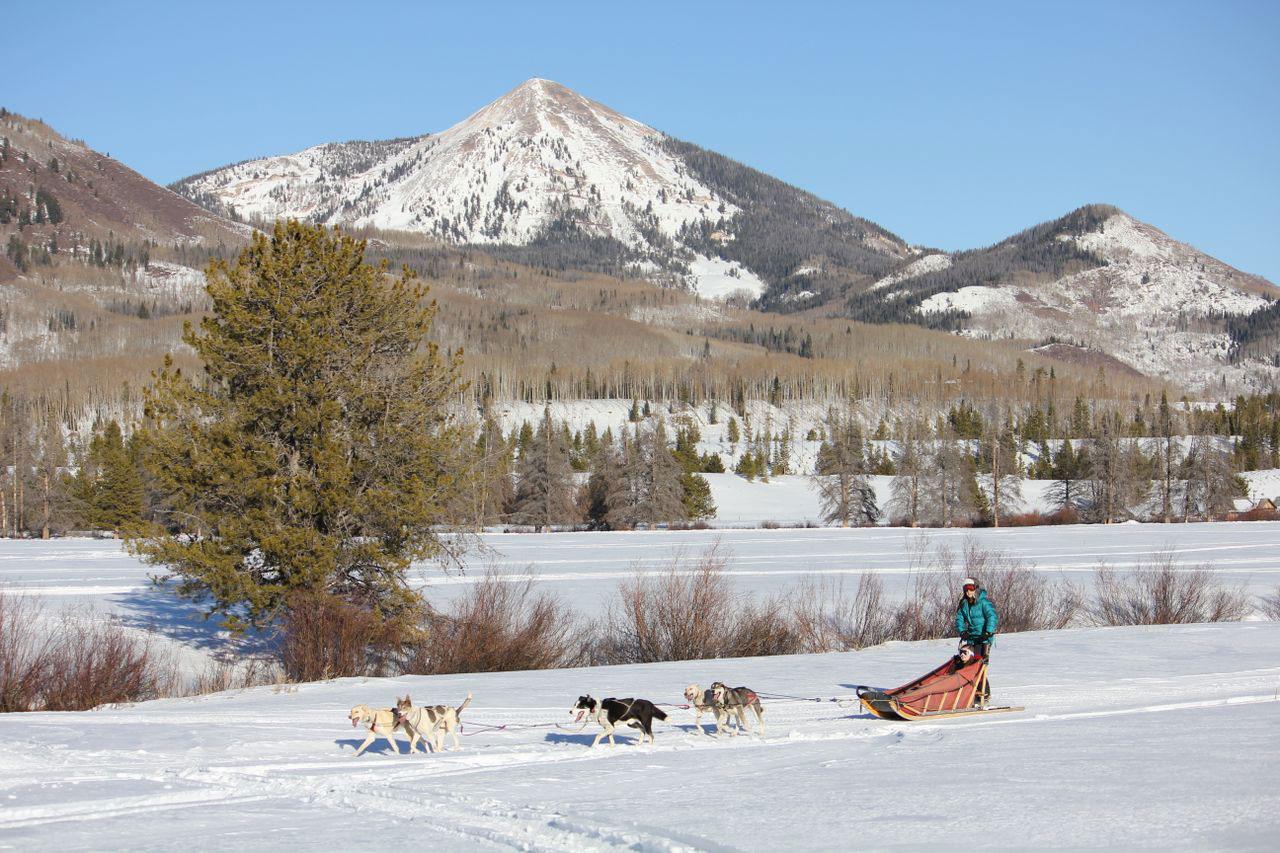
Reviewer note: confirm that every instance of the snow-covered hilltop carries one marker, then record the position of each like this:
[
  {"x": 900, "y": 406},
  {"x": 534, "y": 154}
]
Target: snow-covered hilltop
[
  {"x": 538, "y": 159},
  {"x": 1098, "y": 280}
]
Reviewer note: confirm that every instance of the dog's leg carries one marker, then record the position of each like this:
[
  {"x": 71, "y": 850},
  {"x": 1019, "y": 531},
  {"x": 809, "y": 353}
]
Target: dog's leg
[
  {"x": 391, "y": 739},
  {"x": 370, "y": 739},
  {"x": 759, "y": 709},
  {"x": 418, "y": 739},
  {"x": 453, "y": 730}
]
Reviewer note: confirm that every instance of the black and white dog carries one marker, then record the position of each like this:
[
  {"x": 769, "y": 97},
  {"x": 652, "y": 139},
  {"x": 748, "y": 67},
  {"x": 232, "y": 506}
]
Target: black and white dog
[{"x": 637, "y": 713}]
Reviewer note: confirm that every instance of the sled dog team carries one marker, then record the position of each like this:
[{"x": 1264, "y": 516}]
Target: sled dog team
[{"x": 430, "y": 724}]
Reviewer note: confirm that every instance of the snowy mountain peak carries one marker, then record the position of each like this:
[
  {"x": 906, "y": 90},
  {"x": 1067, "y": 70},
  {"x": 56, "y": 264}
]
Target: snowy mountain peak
[{"x": 539, "y": 162}]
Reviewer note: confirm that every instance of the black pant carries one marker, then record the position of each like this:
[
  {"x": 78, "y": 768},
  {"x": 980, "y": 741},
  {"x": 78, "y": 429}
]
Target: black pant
[{"x": 984, "y": 689}]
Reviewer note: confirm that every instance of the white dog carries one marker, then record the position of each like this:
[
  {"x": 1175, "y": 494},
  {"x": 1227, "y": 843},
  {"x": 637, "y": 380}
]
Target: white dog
[{"x": 430, "y": 723}]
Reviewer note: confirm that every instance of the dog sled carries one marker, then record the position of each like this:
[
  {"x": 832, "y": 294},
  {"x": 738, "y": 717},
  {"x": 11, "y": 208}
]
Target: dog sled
[{"x": 951, "y": 690}]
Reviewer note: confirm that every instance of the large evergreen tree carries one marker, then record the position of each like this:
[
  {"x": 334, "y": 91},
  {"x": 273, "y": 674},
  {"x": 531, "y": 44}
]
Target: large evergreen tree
[
  {"x": 317, "y": 451},
  {"x": 544, "y": 490},
  {"x": 110, "y": 486},
  {"x": 663, "y": 491}
]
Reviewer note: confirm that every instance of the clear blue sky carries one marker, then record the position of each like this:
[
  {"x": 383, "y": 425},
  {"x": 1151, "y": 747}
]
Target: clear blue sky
[{"x": 952, "y": 124}]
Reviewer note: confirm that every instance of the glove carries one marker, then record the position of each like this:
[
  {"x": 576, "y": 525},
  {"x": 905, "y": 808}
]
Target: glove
[{"x": 985, "y": 639}]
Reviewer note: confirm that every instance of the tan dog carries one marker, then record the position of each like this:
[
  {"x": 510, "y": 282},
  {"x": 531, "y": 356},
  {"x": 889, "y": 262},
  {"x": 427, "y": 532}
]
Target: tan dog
[
  {"x": 381, "y": 721},
  {"x": 704, "y": 702},
  {"x": 430, "y": 723}
]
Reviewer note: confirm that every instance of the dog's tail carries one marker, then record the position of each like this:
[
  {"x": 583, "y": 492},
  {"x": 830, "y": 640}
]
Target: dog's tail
[
  {"x": 465, "y": 703},
  {"x": 659, "y": 713}
]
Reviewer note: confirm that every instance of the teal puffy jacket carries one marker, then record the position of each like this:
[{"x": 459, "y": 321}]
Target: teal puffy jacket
[{"x": 973, "y": 621}]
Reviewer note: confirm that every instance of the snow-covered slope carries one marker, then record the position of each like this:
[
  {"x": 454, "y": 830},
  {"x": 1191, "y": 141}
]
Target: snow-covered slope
[
  {"x": 540, "y": 158},
  {"x": 1131, "y": 292},
  {"x": 1160, "y": 738}
]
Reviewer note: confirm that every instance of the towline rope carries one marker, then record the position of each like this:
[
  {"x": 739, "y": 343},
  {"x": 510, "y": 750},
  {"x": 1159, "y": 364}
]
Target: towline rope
[
  {"x": 842, "y": 701},
  {"x": 489, "y": 728}
]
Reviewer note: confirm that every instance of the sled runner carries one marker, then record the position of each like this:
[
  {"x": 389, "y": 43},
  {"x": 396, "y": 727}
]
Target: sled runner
[{"x": 948, "y": 691}]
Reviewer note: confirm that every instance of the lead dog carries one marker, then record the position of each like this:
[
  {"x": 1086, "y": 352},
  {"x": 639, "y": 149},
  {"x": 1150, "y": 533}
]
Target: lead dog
[
  {"x": 637, "y": 713},
  {"x": 430, "y": 723},
  {"x": 737, "y": 700},
  {"x": 381, "y": 721},
  {"x": 704, "y": 702}
]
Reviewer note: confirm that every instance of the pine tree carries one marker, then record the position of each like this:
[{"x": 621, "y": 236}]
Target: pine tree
[
  {"x": 593, "y": 499},
  {"x": 524, "y": 442},
  {"x": 662, "y": 492},
  {"x": 115, "y": 498},
  {"x": 625, "y": 491},
  {"x": 544, "y": 480},
  {"x": 318, "y": 452},
  {"x": 696, "y": 496},
  {"x": 1070, "y": 471}
]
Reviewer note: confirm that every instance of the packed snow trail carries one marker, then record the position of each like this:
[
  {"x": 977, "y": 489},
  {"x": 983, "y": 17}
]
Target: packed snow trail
[{"x": 1133, "y": 737}]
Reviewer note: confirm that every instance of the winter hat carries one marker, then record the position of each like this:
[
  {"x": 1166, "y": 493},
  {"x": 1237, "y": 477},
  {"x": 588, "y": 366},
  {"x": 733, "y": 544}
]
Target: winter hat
[{"x": 967, "y": 581}]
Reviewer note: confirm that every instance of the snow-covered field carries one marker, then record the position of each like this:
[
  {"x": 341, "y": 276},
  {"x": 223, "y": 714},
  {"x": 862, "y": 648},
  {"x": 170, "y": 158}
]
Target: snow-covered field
[
  {"x": 584, "y": 568},
  {"x": 1132, "y": 738}
]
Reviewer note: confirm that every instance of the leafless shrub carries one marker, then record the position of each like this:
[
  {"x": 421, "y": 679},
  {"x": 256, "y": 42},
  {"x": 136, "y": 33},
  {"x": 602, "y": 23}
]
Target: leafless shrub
[
  {"x": 72, "y": 663},
  {"x": 676, "y": 614},
  {"x": 498, "y": 626},
  {"x": 324, "y": 636},
  {"x": 1065, "y": 515},
  {"x": 98, "y": 663},
  {"x": 1161, "y": 593},
  {"x": 1270, "y": 605},
  {"x": 927, "y": 611},
  {"x": 767, "y": 628},
  {"x": 25, "y": 653},
  {"x": 827, "y": 618}
]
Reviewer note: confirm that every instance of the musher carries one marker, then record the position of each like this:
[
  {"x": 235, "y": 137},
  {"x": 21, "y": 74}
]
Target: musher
[{"x": 976, "y": 624}]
